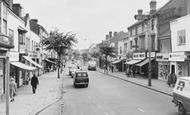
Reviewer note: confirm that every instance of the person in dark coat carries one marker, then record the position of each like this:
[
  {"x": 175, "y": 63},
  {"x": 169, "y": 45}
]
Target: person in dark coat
[{"x": 34, "y": 83}]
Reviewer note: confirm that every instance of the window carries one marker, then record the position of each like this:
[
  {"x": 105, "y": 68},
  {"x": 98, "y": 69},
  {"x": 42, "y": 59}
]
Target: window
[
  {"x": 131, "y": 43},
  {"x": 21, "y": 39},
  {"x": 4, "y": 30},
  {"x": 142, "y": 42},
  {"x": 181, "y": 35},
  {"x": 120, "y": 50},
  {"x": 11, "y": 35}
]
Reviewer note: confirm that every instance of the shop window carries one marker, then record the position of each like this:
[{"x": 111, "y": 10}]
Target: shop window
[{"x": 181, "y": 35}]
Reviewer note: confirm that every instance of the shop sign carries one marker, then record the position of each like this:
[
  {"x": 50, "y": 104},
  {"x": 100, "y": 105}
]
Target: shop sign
[
  {"x": 13, "y": 56},
  {"x": 139, "y": 55},
  {"x": 22, "y": 48},
  {"x": 180, "y": 56},
  {"x": 153, "y": 54},
  {"x": 162, "y": 56}
]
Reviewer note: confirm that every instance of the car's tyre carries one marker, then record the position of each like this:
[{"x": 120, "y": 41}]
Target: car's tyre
[{"x": 181, "y": 109}]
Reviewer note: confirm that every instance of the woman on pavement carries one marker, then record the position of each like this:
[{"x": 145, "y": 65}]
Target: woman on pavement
[{"x": 13, "y": 89}]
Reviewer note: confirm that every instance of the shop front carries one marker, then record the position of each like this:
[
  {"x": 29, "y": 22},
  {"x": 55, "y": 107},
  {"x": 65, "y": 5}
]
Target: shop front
[
  {"x": 163, "y": 66},
  {"x": 18, "y": 70},
  {"x": 137, "y": 58},
  {"x": 180, "y": 63},
  {"x": 5, "y": 45}
]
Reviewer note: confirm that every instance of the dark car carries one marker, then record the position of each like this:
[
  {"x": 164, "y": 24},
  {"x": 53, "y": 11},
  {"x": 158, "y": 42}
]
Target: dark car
[{"x": 81, "y": 79}]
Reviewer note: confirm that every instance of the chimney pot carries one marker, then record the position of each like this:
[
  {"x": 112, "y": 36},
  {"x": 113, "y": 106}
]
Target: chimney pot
[
  {"x": 152, "y": 6},
  {"x": 140, "y": 11},
  {"x": 110, "y": 34}
]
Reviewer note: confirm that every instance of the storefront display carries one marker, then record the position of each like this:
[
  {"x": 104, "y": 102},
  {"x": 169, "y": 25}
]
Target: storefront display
[{"x": 163, "y": 70}]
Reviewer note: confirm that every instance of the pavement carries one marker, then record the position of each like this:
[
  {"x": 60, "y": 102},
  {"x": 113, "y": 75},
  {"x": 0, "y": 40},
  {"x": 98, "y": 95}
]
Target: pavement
[
  {"x": 27, "y": 103},
  {"x": 157, "y": 85}
]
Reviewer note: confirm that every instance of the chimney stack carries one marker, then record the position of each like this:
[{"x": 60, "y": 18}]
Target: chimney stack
[
  {"x": 17, "y": 9},
  {"x": 35, "y": 21},
  {"x": 115, "y": 34},
  {"x": 152, "y": 6},
  {"x": 140, "y": 11},
  {"x": 107, "y": 37},
  {"x": 110, "y": 34}
]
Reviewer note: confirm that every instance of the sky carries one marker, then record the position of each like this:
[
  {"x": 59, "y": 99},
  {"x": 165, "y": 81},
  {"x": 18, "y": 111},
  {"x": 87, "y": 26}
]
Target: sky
[{"x": 90, "y": 20}]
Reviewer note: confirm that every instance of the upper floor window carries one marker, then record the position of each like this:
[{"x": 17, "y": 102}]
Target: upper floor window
[
  {"x": 21, "y": 38},
  {"x": 11, "y": 35},
  {"x": 120, "y": 50},
  {"x": 131, "y": 44},
  {"x": 181, "y": 36},
  {"x": 4, "y": 30}
]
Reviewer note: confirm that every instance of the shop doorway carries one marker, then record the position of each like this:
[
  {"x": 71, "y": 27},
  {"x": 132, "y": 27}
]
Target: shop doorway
[{"x": 173, "y": 69}]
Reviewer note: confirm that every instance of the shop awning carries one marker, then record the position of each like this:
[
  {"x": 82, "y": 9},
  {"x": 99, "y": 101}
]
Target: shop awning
[
  {"x": 131, "y": 62},
  {"x": 117, "y": 61},
  {"x": 23, "y": 66},
  {"x": 50, "y": 61},
  {"x": 144, "y": 62},
  {"x": 33, "y": 62}
]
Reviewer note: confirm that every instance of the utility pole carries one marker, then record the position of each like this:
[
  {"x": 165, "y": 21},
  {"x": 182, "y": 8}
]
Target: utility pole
[
  {"x": 149, "y": 64},
  {"x": 7, "y": 83}
]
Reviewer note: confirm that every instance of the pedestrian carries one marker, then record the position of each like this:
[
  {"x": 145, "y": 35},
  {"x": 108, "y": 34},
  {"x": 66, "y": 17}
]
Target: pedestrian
[
  {"x": 13, "y": 89},
  {"x": 128, "y": 72},
  {"x": 34, "y": 83},
  {"x": 133, "y": 71},
  {"x": 174, "y": 79},
  {"x": 112, "y": 68}
]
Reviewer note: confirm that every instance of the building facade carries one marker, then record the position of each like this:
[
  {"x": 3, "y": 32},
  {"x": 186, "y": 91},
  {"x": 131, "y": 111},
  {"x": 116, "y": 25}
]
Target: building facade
[{"x": 180, "y": 56}]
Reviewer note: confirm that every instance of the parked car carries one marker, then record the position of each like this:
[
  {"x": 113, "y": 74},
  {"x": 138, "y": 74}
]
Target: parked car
[
  {"x": 80, "y": 78},
  {"x": 92, "y": 65},
  {"x": 181, "y": 95}
]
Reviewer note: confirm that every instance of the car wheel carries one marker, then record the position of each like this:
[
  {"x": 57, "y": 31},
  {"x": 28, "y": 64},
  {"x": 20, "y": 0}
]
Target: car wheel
[{"x": 181, "y": 109}]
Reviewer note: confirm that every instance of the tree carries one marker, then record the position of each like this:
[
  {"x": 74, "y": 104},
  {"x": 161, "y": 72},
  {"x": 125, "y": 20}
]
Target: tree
[
  {"x": 85, "y": 56},
  {"x": 106, "y": 51},
  {"x": 95, "y": 54},
  {"x": 59, "y": 42}
]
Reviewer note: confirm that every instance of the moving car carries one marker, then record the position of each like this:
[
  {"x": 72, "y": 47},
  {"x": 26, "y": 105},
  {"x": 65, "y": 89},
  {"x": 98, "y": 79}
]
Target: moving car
[
  {"x": 92, "y": 65},
  {"x": 181, "y": 95},
  {"x": 80, "y": 78},
  {"x": 72, "y": 69}
]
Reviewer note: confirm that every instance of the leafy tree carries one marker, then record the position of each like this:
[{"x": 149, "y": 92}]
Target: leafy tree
[
  {"x": 95, "y": 54},
  {"x": 85, "y": 56},
  {"x": 59, "y": 42},
  {"x": 107, "y": 51}
]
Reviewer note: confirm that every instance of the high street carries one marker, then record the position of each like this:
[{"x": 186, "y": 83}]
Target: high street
[{"x": 111, "y": 96}]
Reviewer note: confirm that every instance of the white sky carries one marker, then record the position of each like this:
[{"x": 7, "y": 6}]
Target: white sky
[{"x": 91, "y": 20}]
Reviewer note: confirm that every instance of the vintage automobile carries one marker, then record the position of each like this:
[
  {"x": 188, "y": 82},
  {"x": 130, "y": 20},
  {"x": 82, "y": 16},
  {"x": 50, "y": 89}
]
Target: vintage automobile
[
  {"x": 181, "y": 95},
  {"x": 80, "y": 78},
  {"x": 92, "y": 65}
]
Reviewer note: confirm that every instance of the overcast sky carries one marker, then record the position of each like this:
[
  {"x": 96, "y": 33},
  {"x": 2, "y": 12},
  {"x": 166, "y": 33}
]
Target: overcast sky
[{"x": 91, "y": 20}]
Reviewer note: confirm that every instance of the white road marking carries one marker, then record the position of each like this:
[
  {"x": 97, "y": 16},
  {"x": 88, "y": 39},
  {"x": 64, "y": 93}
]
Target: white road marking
[{"x": 141, "y": 110}]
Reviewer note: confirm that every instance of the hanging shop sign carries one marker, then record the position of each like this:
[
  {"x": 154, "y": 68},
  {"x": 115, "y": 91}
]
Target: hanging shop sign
[
  {"x": 179, "y": 56},
  {"x": 139, "y": 56},
  {"x": 13, "y": 56},
  {"x": 153, "y": 54},
  {"x": 162, "y": 56}
]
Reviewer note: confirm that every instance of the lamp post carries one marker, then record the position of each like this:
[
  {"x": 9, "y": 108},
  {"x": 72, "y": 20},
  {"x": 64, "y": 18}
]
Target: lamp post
[{"x": 149, "y": 51}]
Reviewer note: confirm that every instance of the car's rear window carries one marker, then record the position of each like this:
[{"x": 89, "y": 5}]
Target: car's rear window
[{"x": 81, "y": 75}]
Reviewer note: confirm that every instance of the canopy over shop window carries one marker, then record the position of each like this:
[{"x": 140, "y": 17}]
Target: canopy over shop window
[
  {"x": 50, "y": 61},
  {"x": 131, "y": 62},
  {"x": 33, "y": 62},
  {"x": 144, "y": 62},
  {"x": 23, "y": 66}
]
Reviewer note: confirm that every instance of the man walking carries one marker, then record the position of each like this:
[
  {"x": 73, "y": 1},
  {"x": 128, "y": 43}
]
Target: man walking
[{"x": 34, "y": 83}]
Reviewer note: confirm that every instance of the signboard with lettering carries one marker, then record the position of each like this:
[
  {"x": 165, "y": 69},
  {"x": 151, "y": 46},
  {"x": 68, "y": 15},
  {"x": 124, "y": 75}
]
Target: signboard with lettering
[
  {"x": 153, "y": 54},
  {"x": 178, "y": 56},
  {"x": 140, "y": 56},
  {"x": 162, "y": 56},
  {"x": 14, "y": 56}
]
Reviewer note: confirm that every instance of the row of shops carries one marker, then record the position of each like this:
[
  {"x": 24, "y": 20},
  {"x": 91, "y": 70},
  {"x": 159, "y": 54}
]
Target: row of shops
[
  {"x": 22, "y": 68},
  {"x": 161, "y": 64}
]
